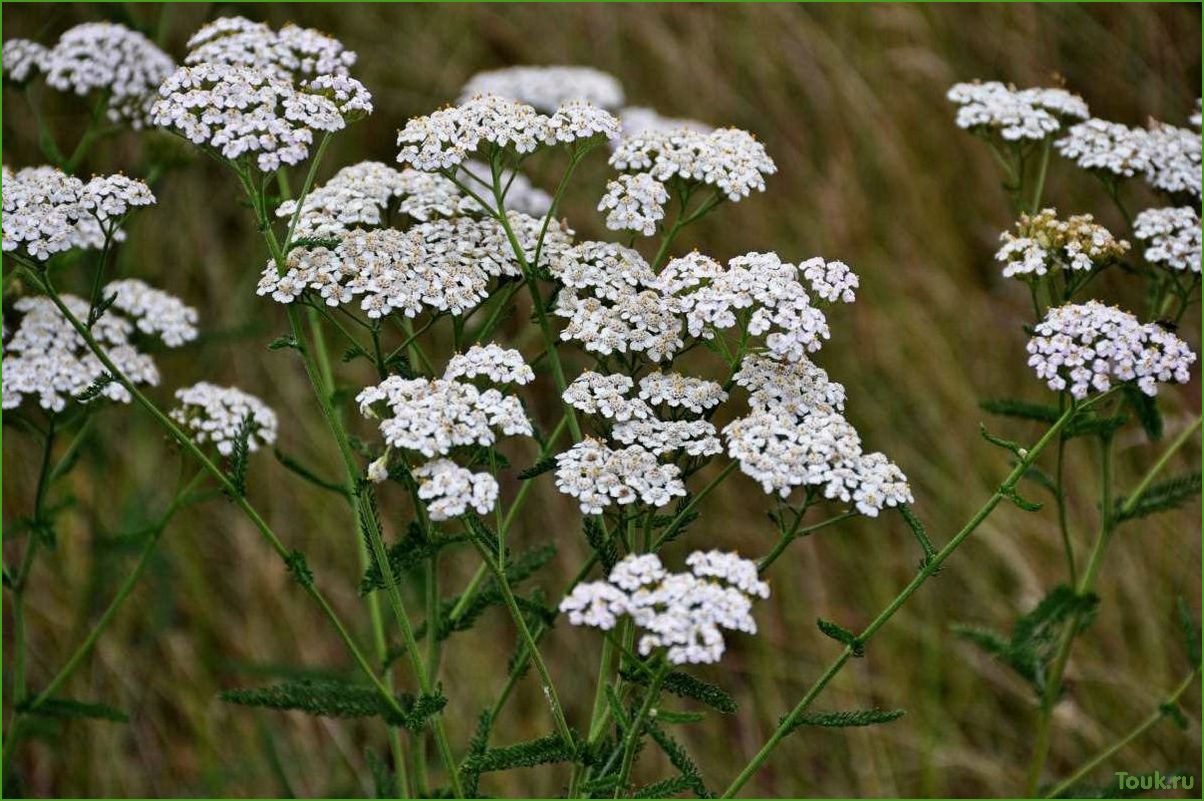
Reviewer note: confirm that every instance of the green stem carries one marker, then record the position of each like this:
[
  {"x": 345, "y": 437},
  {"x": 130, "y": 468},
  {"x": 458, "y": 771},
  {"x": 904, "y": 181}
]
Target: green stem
[
  {"x": 932, "y": 566},
  {"x": 1042, "y": 168},
  {"x": 1060, "y": 497},
  {"x": 676, "y": 522},
  {"x": 636, "y": 729},
  {"x": 797, "y": 533},
  {"x": 1145, "y": 725}
]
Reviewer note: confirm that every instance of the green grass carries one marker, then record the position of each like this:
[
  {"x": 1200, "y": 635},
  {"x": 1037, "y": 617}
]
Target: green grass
[{"x": 850, "y": 103}]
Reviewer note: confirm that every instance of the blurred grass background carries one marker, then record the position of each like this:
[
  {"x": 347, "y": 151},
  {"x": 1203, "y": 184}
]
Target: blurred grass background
[{"x": 850, "y": 103}]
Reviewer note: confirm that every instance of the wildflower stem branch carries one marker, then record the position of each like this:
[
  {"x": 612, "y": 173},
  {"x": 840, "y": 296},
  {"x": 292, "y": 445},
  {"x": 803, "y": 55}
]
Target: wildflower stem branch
[
  {"x": 1141, "y": 728},
  {"x": 926, "y": 572}
]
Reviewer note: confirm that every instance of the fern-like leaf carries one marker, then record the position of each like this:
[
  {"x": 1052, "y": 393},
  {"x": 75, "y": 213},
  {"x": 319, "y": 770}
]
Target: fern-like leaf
[
  {"x": 684, "y": 685},
  {"x": 240, "y": 458},
  {"x": 841, "y": 635},
  {"x": 1161, "y": 497},
  {"x": 1022, "y": 410},
  {"x": 680, "y": 759},
  {"x": 920, "y": 533},
  {"x": 538, "y": 469},
  {"x": 603, "y": 546},
  {"x": 840, "y": 720},
  {"x": 94, "y": 390},
  {"x": 1191, "y": 633},
  {"x": 542, "y": 751}
]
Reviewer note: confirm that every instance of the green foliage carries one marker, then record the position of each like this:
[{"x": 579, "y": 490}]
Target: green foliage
[
  {"x": 603, "y": 546},
  {"x": 1093, "y": 425},
  {"x": 1012, "y": 495},
  {"x": 921, "y": 533},
  {"x": 1034, "y": 636},
  {"x": 285, "y": 341},
  {"x": 541, "y": 751},
  {"x": 93, "y": 390},
  {"x": 67, "y": 708},
  {"x": 1161, "y": 497},
  {"x": 338, "y": 699},
  {"x": 665, "y": 788},
  {"x": 383, "y": 781},
  {"x": 241, "y": 456},
  {"x": 538, "y": 469},
  {"x": 295, "y": 466},
  {"x": 684, "y": 685},
  {"x": 1000, "y": 442},
  {"x": 841, "y": 635},
  {"x": 690, "y": 776},
  {"x": 1022, "y": 410},
  {"x": 298, "y": 568},
  {"x": 312, "y": 242},
  {"x": 411, "y": 551},
  {"x": 476, "y": 749},
  {"x": 1145, "y": 409},
  {"x": 99, "y": 310},
  {"x": 847, "y": 719}
]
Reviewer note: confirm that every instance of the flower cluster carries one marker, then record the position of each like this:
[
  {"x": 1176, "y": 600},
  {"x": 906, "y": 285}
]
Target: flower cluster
[
  {"x": 1043, "y": 242},
  {"x": 684, "y": 613},
  {"x": 597, "y": 476},
  {"x": 728, "y": 159},
  {"x": 96, "y": 57},
  {"x": 796, "y": 435},
  {"x": 499, "y": 365},
  {"x": 1166, "y": 156},
  {"x": 1087, "y": 347},
  {"x": 444, "y": 264},
  {"x": 47, "y": 211},
  {"x": 1172, "y": 236},
  {"x": 46, "y": 357},
  {"x": 291, "y": 54},
  {"x": 634, "y": 202},
  {"x": 449, "y": 490},
  {"x": 447, "y": 137},
  {"x": 675, "y": 390},
  {"x": 433, "y": 416},
  {"x": 243, "y": 112},
  {"x": 546, "y": 88},
  {"x": 224, "y": 415},
  {"x": 995, "y": 109},
  {"x": 637, "y": 120}
]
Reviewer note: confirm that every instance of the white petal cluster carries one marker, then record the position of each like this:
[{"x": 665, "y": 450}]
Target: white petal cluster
[
  {"x": 1167, "y": 156},
  {"x": 357, "y": 196},
  {"x": 434, "y": 416},
  {"x": 684, "y": 613},
  {"x": 292, "y": 54},
  {"x": 1042, "y": 242},
  {"x": 1013, "y": 114},
  {"x": 444, "y": 264},
  {"x": 245, "y": 113},
  {"x": 794, "y": 388},
  {"x": 636, "y": 120},
  {"x": 695, "y": 437},
  {"x": 1172, "y": 237},
  {"x": 45, "y": 357},
  {"x": 154, "y": 311},
  {"x": 1087, "y": 347},
  {"x": 450, "y": 490},
  {"x": 500, "y": 365},
  {"x": 634, "y": 202},
  {"x": 598, "y": 476},
  {"x": 606, "y": 396},
  {"x": 47, "y": 211},
  {"x": 831, "y": 280},
  {"x": 677, "y": 390},
  {"x": 1174, "y": 160},
  {"x": 780, "y": 306},
  {"x": 729, "y": 159},
  {"x": 447, "y": 137},
  {"x": 96, "y": 57},
  {"x": 611, "y": 301},
  {"x": 1194, "y": 119},
  {"x": 217, "y": 414},
  {"x": 546, "y": 88}
]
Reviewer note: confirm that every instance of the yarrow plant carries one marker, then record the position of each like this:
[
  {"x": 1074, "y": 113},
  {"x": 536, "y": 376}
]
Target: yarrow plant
[{"x": 492, "y": 353}]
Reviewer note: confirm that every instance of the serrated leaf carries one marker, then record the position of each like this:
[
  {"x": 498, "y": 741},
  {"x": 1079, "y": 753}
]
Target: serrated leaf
[
  {"x": 538, "y": 469},
  {"x": 918, "y": 530},
  {"x": 665, "y": 788},
  {"x": 335, "y": 699},
  {"x": 99, "y": 310},
  {"x": 68, "y": 708},
  {"x": 94, "y": 390},
  {"x": 603, "y": 546},
  {"x": 383, "y": 782},
  {"x": 670, "y": 716},
  {"x": 1093, "y": 425},
  {"x": 1161, "y": 497},
  {"x": 542, "y": 751},
  {"x": 282, "y": 342},
  {"x": 840, "y": 720},
  {"x": 680, "y": 759},
  {"x": 684, "y": 685},
  {"x": 1000, "y": 442},
  {"x": 240, "y": 457},
  {"x": 1023, "y": 410},
  {"x": 841, "y": 635}
]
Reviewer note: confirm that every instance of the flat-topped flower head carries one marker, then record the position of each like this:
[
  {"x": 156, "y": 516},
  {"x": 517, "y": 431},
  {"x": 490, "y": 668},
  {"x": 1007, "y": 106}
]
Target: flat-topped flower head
[
  {"x": 995, "y": 109},
  {"x": 245, "y": 114},
  {"x": 434, "y": 416},
  {"x": 683, "y": 613},
  {"x": 450, "y": 490},
  {"x": 694, "y": 437},
  {"x": 1042, "y": 243},
  {"x": 1085, "y": 348},
  {"x": 292, "y": 54},
  {"x": 599, "y": 476},
  {"x": 830, "y": 280},
  {"x": 96, "y": 57},
  {"x": 634, "y": 202},
  {"x": 222, "y": 415},
  {"x": 676, "y": 390},
  {"x": 1172, "y": 237},
  {"x": 499, "y": 365},
  {"x": 45, "y": 357},
  {"x": 1175, "y": 163},
  {"x": 47, "y": 211},
  {"x": 785, "y": 387},
  {"x": 728, "y": 159},
  {"x": 1107, "y": 147},
  {"x": 605, "y": 395},
  {"x": 636, "y": 120},
  {"x": 546, "y": 88}
]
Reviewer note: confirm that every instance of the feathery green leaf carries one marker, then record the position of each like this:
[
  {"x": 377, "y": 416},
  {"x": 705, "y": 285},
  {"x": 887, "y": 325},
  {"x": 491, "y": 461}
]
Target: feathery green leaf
[{"x": 1161, "y": 497}]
